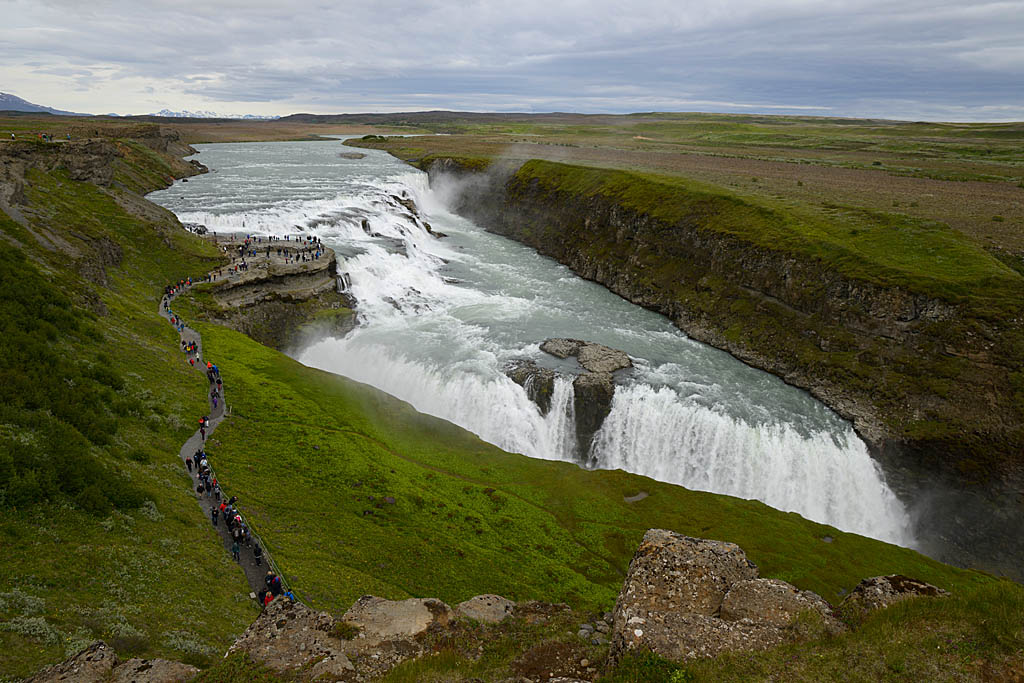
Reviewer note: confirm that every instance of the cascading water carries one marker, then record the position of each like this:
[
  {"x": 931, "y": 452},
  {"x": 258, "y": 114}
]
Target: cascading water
[{"x": 441, "y": 318}]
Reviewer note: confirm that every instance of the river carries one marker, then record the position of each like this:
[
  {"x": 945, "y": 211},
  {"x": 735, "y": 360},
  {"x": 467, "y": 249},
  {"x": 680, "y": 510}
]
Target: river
[{"x": 441, "y": 318}]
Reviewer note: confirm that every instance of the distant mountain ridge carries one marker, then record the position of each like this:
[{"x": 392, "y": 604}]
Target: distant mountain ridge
[
  {"x": 185, "y": 114},
  {"x": 9, "y": 102}
]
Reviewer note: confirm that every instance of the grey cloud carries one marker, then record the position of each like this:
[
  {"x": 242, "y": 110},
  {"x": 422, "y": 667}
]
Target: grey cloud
[{"x": 913, "y": 59}]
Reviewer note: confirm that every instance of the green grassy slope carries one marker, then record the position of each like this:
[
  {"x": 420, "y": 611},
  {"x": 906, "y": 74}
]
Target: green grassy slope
[{"x": 100, "y": 536}]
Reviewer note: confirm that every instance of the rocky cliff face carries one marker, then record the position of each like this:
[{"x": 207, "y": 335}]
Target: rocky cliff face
[
  {"x": 123, "y": 168},
  {"x": 281, "y": 304},
  {"x": 593, "y": 390},
  {"x": 928, "y": 386}
]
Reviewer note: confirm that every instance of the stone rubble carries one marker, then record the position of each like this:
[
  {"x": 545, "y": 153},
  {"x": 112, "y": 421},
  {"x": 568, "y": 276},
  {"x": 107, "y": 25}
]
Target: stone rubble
[
  {"x": 98, "y": 663},
  {"x": 879, "y": 592}
]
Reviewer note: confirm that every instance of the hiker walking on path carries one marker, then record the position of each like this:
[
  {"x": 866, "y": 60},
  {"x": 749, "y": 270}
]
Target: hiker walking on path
[{"x": 235, "y": 532}]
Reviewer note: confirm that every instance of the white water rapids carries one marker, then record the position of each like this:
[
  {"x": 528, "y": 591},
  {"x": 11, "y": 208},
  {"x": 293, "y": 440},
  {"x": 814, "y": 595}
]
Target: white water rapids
[{"x": 440, "y": 318}]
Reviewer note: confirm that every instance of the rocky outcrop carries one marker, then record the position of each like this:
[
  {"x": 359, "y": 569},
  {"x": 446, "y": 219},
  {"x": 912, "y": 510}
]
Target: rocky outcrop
[
  {"x": 594, "y": 390},
  {"x": 538, "y": 382},
  {"x": 288, "y": 636},
  {"x": 592, "y": 401},
  {"x": 489, "y": 609},
  {"x": 98, "y": 663},
  {"x": 562, "y": 348},
  {"x": 283, "y": 305},
  {"x": 879, "y": 592},
  {"x": 593, "y": 357},
  {"x": 687, "y": 598},
  {"x": 598, "y": 358}
]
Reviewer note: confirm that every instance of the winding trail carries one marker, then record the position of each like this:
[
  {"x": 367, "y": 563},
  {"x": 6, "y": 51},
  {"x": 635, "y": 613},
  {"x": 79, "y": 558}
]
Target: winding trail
[{"x": 254, "y": 573}]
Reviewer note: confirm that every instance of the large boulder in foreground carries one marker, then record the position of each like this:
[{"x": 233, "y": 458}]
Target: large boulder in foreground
[
  {"x": 686, "y": 598},
  {"x": 379, "y": 619},
  {"x": 489, "y": 609},
  {"x": 879, "y": 592},
  {"x": 288, "y": 636},
  {"x": 683, "y": 574}
]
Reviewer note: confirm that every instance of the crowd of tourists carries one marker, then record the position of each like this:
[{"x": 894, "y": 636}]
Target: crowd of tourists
[{"x": 198, "y": 464}]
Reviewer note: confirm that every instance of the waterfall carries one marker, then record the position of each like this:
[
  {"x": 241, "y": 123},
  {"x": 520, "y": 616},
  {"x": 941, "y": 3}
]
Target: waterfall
[
  {"x": 441, "y": 319},
  {"x": 824, "y": 477}
]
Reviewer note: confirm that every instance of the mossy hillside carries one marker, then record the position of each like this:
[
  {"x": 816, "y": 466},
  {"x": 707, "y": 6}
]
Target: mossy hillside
[
  {"x": 114, "y": 546},
  {"x": 314, "y": 458},
  {"x": 884, "y": 249}
]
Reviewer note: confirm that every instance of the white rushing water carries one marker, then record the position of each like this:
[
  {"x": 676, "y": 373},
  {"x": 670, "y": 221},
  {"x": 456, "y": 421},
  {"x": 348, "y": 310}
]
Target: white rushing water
[{"x": 440, "y": 319}]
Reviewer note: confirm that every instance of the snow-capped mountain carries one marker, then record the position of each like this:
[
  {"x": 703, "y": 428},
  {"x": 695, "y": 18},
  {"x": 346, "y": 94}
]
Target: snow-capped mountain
[
  {"x": 185, "y": 114},
  {"x": 9, "y": 102}
]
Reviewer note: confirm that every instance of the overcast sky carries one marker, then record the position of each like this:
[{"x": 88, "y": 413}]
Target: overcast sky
[{"x": 908, "y": 59}]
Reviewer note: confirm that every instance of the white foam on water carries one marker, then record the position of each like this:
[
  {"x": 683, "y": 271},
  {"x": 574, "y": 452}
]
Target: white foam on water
[{"x": 824, "y": 477}]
